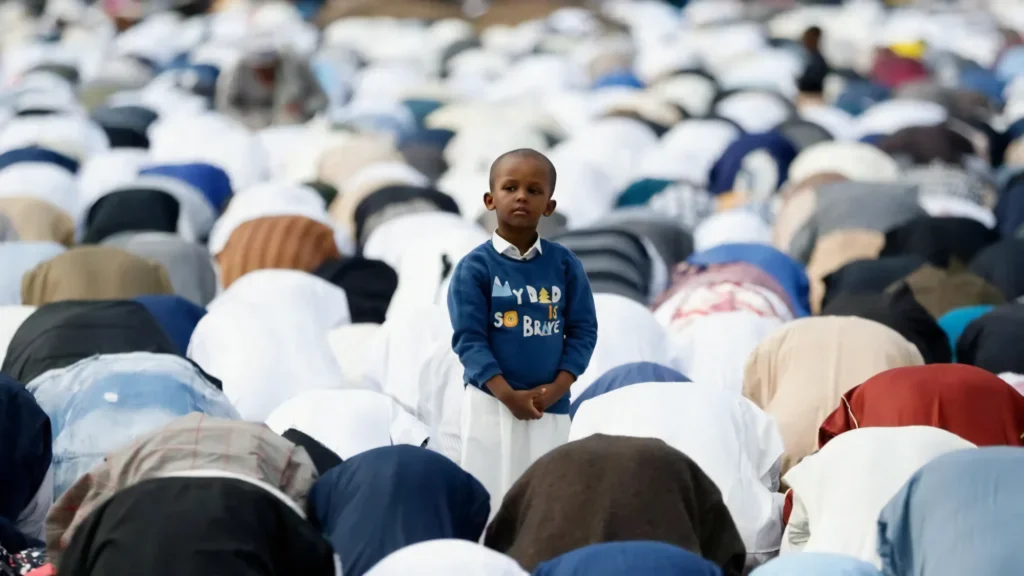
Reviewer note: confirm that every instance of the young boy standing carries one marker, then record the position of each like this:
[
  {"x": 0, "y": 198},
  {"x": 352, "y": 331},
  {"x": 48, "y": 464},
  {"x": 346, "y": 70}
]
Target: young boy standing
[{"x": 524, "y": 329}]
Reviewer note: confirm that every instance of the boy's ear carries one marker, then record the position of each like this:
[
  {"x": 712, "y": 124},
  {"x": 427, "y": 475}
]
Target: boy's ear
[
  {"x": 550, "y": 208},
  {"x": 489, "y": 201}
]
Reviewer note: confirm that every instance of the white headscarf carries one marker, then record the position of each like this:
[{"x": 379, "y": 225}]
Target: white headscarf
[
  {"x": 213, "y": 138},
  {"x": 839, "y": 491},
  {"x": 11, "y": 318},
  {"x": 398, "y": 349},
  {"x": 732, "y": 440},
  {"x": 853, "y": 160},
  {"x": 626, "y": 332},
  {"x": 713, "y": 349},
  {"x": 349, "y": 422},
  {"x": 72, "y": 135},
  {"x": 444, "y": 558},
  {"x": 275, "y": 199},
  {"x": 264, "y": 355},
  {"x": 292, "y": 291},
  {"x": 731, "y": 227}
]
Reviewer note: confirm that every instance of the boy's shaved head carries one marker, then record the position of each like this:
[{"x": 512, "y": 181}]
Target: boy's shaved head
[{"x": 525, "y": 153}]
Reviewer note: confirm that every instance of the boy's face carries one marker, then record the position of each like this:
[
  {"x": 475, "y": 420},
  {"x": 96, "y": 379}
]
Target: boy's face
[{"x": 521, "y": 193}]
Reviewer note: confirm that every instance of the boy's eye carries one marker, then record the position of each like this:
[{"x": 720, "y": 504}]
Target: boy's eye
[
  {"x": 509, "y": 188},
  {"x": 535, "y": 191}
]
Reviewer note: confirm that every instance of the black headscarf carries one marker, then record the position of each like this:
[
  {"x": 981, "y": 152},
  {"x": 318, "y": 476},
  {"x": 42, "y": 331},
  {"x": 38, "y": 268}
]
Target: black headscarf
[
  {"x": 926, "y": 144},
  {"x": 62, "y": 333},
  {"x": 392, "y": 201},
  {"x": 992, "y": 341},
  {"x": 869, "y": 276},
  {"x": 901, "y": 312},
  {"x": 939, "y": 240},
  {"x": 323, "y": 458},
  {"x": 369, "y": 286},
  {"x": 388, "y": 498},
  {"x": 1002, "y": 265},
  {"x": 131, "y": 210},
  {"x": 192, "y": 526}
]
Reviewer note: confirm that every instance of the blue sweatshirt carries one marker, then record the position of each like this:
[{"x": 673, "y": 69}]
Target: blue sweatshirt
[{"x": 524, "y": 319}]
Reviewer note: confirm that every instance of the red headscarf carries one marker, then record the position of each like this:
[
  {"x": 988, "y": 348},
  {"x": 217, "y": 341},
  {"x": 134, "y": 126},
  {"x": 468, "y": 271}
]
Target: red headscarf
[{"x": 970, "y": 402}]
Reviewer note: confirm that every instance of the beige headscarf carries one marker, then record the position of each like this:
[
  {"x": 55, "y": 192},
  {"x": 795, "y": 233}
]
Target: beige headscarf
[
  {"x": 799, "y": 203},
  {"x": 799, "y": 373},
  {"x": 37, "y": 220},
  {"x": 93, "y": 273},
  {"x": 836, "y": 249},
  {"x": 338, "y": 165}
]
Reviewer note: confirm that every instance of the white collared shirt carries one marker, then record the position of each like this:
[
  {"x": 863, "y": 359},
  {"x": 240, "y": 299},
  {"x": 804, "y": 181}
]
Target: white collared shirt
[{"x": 503, "y": 246}]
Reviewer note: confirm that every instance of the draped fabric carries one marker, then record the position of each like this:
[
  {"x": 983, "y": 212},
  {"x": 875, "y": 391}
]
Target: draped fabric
[
  {"x": 964, "y": 400},
  {"x": 800, "y": 391},
  {"x": 979, "y": 489},
  {"x": 380, "y": 501},
  {"x": 584, "y": 493}
]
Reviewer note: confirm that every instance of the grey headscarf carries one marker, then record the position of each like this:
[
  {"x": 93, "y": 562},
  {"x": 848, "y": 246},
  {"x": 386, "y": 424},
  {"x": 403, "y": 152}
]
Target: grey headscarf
[{"x": 188, "y": 264}]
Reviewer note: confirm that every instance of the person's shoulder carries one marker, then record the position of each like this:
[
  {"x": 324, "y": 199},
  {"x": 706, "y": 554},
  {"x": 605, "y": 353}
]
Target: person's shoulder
[{"x": 478, "y": 257}]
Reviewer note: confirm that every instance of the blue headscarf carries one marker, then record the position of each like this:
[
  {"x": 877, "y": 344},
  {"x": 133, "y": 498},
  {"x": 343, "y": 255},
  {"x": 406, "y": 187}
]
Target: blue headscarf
[
  {"x": 725, "y": 171},
  {"x": 1009, "y": 208},
  {"x": 388, "y": 498},
  {"x": 19, "y": 258},
  {"x": 640, "y": 192},
  {"x": 211, "y": 181},
  {"x": 959, "y": 514},
  {"x": 816, "y": 564},
  {"x": 955, "y": 321},
  {"x": 25, "y": 456},
  {"x": 859, "y": 95},
  {"x": 629, "y": 559},
  {"x": 623, "y": 78},
  {"x": 176, "y": 315},
  {"x": 626, "y": 375},
  {"x": 786, "y": 271},
  {"x": 37, "y": 154},
  {"x": 984, "y": 82}
]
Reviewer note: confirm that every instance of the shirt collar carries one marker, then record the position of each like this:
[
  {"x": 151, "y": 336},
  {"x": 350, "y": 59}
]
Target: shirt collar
[{"x": 502, "y": 246}]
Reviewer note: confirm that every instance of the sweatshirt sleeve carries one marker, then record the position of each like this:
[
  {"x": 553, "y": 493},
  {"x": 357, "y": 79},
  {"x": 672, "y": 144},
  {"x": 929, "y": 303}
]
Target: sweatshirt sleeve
[
  {"x": 468, "y": 307},
  {"x": 580, "y": 320}
]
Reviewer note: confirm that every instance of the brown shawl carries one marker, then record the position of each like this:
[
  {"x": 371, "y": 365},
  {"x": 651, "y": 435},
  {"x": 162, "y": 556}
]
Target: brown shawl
[
  {"x": 588, "y": 492},
  {"x": 940, "y": 291},
  {"x": 289, "y": 242},
  {"x": 93, "y": 273}
]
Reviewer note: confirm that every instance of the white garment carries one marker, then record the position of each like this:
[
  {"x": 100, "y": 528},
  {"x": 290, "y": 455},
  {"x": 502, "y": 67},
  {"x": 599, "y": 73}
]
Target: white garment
[
  {"x": 349, "y": 422},
  {"x": 213, "y": 138},
  {"x": 445, "y": 558},
  {"x": 735, "y": 443},
  {"x": 626, "y": 332},
  {"x": 420, "y": 247},
  {"x": 441, "y": 388},
  {"x": 731, "y": 227},
  {"x": 32, "y": 520},
  {"x": 292, "y": 290},
  {"x": 497, "y": 447},
  {"x": 854, "y": 160},
  {"x": 263, "y": 355},
  {"x": 72, "y": 135},
  {"x": 398, "y": 350},
  {"x": 350, "y": 344},
  {"x": 506, "y": 248},
  {"x": 275, "y": 199},
  {"x": 713, "y": 349},
  {"x": 839, "y": 491},
  {"x": 42, "y": 181},
  {"x": 689, "y": 150},
  {"x": 11, "y": 318}
]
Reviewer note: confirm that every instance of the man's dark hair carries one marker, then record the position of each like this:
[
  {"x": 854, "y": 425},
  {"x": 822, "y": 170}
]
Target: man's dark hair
[{"x": 529, "y": 153}]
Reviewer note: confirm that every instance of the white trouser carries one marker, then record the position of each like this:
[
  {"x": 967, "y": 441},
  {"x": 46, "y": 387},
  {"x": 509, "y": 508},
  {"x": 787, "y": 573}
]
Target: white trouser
[{"x": 497, "y": 447}]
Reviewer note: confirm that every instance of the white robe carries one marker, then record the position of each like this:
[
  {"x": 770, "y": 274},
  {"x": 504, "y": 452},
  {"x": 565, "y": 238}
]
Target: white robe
[
  {"x": 444, "y": 558},
  {"x": 736, "y": 444},
  {"x": 349, "y": 422},
  {"x": 839, "y": 491}
]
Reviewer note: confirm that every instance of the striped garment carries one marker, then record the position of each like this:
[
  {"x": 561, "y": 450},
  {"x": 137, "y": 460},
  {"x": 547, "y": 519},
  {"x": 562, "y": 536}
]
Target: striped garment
[{"x": 290, "y": 242}]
